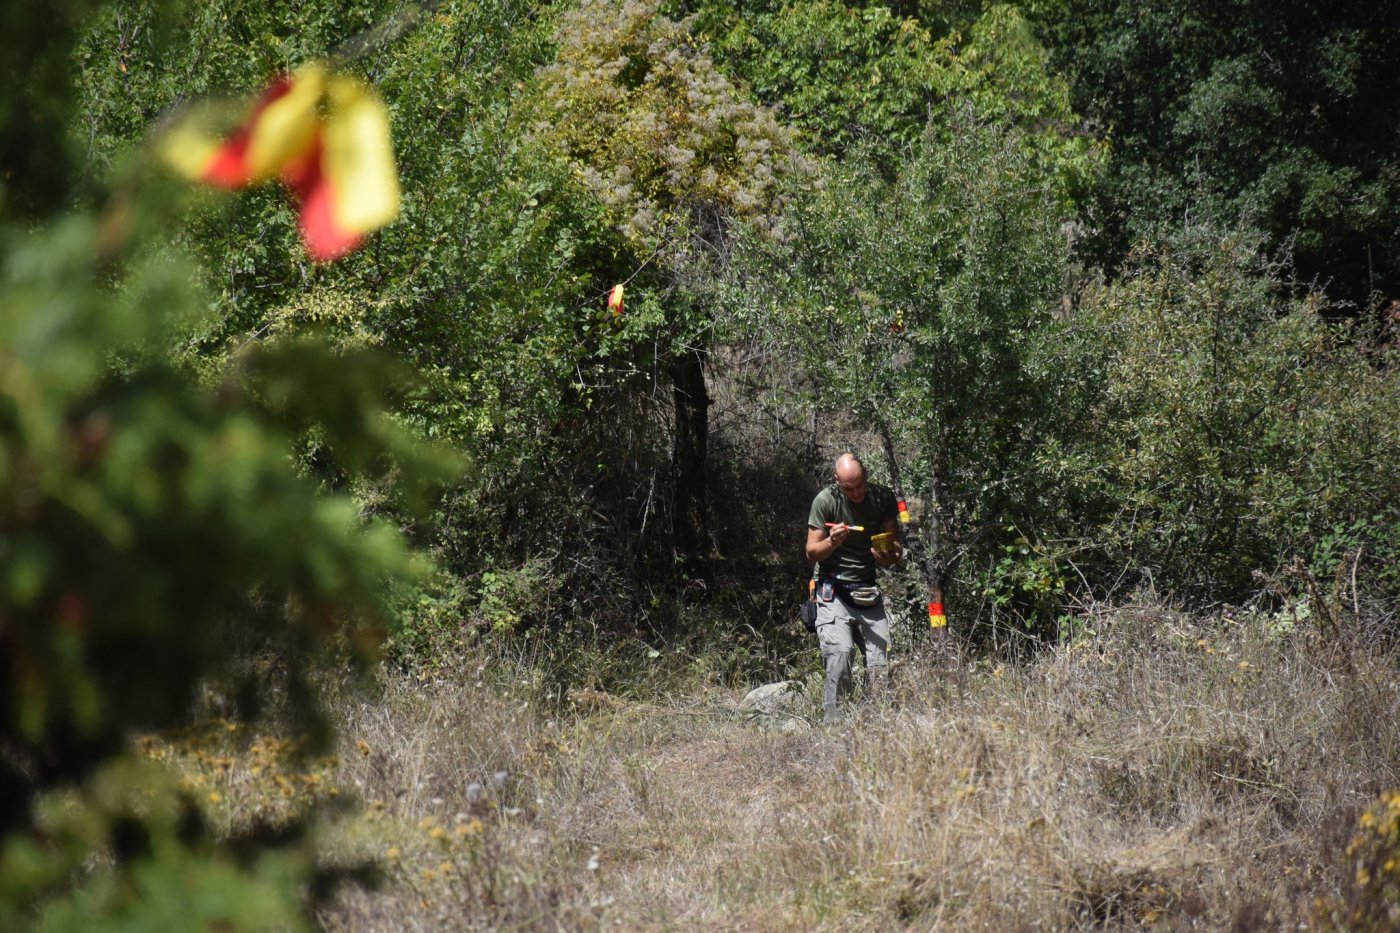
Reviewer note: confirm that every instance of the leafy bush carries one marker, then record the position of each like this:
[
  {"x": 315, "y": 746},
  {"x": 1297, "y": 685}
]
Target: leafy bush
[
  {"x": 1237, "y": 429},
  {"x": 157, "y": 537}
]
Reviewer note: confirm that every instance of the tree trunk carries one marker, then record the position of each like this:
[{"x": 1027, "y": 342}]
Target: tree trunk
[
  {"x": 692, "y": 407},
  {"x": 936, "y": 561},
  {"x": 930, "y": 557}
]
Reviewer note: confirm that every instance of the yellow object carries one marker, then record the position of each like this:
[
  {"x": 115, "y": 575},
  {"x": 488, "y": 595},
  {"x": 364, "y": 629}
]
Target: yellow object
[
  {"x": 883, "y": 542},
  {"x": 326, "y": 136},
  {"x": 284, "y": 128},
  {"x": 359, "y": 158}
]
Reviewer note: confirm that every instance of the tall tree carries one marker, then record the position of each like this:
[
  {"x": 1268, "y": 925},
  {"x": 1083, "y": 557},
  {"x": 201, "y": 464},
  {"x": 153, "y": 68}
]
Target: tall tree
[
  {"x": 924, "y": 302},
  {"x": 674, "y": 150}
]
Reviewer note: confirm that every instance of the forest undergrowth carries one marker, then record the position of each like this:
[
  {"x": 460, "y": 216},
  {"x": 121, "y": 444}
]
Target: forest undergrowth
[{"x": 1176, "y": 771}]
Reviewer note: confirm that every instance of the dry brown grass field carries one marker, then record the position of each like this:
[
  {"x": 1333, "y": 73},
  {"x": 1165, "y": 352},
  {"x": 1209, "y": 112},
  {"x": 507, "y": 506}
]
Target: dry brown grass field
[{"x": 1167, "y": 773}]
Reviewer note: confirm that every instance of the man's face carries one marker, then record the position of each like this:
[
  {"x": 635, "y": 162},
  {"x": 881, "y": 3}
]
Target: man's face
[{"x": 853, "y": 489}]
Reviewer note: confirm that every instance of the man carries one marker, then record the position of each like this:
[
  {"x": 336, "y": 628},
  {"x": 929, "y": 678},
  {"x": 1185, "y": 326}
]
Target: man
[{"x": 843, "y": 518}]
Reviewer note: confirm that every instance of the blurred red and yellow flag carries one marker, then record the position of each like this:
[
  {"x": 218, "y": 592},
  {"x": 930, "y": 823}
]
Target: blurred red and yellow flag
[
  {"x": 615, "y": 300},
  {"x": 325, "y": 136}
]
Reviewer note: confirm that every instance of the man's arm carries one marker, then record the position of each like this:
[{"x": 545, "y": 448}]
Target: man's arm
[{"x": 823, "y": 542}]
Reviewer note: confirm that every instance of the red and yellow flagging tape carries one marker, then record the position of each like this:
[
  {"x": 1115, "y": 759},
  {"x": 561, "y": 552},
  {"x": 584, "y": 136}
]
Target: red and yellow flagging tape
[{"x": 326, "y": 136}]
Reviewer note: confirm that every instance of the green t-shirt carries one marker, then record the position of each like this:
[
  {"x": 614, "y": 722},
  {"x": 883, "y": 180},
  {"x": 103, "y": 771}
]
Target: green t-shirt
[{"x": 852, "y": 561}]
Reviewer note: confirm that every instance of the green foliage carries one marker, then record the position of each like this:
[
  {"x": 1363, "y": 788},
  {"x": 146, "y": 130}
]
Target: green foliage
[
  {"x": 490, "y": 285},
  {"x": 1031, "y": 580},
  {"x": 843, "y": 74},
  {"x": 868, "y": 76},
  {"x": 157, "y": 534},
  {"x": 160, "y": 869},
  {"x": 154, "y": 531},
  {"x": 1282, "y": 114},
  {"x": 925, "y": 302},
  {"x": 1237, "y": 429},
  {"x": 655, "y": 131}
]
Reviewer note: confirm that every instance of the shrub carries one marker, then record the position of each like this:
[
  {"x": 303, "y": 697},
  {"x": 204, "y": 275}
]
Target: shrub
[{"x": 1238, "y": 428}]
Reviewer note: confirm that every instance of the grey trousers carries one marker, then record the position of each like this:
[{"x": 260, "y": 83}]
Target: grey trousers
[{"x": 837, "y": 626}]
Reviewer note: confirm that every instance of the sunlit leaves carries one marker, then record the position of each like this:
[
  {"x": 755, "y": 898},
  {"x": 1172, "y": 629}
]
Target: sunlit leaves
[{"x": 654, "y": 130}]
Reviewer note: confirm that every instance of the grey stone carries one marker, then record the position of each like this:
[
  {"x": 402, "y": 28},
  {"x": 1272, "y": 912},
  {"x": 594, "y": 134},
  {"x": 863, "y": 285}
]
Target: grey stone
[{"x": 779, "y": 705}]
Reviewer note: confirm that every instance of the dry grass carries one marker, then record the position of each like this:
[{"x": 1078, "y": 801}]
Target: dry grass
[{"x": 1170, "y": 774}]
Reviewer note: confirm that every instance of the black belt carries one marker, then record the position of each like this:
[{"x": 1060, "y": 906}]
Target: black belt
[{"x": 847, "y": 584}]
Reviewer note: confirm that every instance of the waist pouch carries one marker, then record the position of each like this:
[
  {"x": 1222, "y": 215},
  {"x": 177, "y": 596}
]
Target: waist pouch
[{"x": 857, "y": 594}]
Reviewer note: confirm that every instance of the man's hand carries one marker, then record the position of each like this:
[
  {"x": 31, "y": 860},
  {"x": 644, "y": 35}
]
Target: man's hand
[
  {"x": 888, "y": 558},
  {"x": 838, "y": 533}
]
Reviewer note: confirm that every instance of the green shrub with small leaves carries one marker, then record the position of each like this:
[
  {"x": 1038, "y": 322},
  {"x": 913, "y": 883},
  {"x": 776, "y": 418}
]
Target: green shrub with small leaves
[
  {"x": 1238, "y": 428},
  {"x": 925, "y": 302},
  {"x": 159, "y": 542}
]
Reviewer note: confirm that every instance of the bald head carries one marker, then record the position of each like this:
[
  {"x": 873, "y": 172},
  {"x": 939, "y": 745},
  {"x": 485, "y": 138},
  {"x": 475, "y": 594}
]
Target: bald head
[{"x": 850, "y": 477}]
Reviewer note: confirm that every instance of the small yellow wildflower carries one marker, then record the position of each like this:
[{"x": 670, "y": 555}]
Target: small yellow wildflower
[
  {"x": 392, "y": 853},
  {"x": 438, "y": 833},
  {"x": 363, "y": 746},
  {"x": 215, "y": 797}
]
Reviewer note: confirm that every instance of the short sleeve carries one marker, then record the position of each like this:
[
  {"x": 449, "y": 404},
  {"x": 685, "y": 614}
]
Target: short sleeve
[{"x": 816, "y": 516}]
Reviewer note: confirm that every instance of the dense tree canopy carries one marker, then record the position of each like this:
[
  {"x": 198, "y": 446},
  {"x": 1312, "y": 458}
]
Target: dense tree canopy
[{"x": 1286, "y": 115}]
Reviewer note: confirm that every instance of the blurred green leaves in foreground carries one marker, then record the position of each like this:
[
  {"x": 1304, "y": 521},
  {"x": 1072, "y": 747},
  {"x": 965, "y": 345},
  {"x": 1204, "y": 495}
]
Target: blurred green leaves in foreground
[
  {"x": 160, "y": 544},
  {"x": 157, "y": 535}
]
